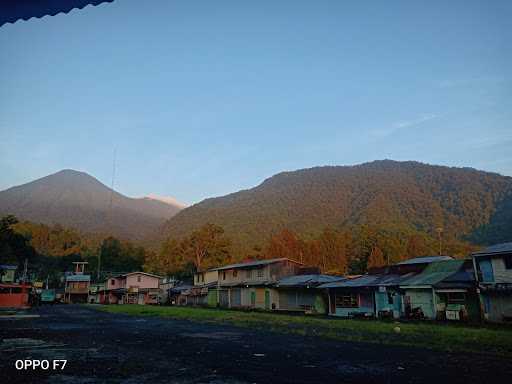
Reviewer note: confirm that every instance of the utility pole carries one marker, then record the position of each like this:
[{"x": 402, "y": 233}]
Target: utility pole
[
  {"x": 25, "y": 271},
  {"x": 109, "y": 221},
  {"x": 439, "y": 234}
]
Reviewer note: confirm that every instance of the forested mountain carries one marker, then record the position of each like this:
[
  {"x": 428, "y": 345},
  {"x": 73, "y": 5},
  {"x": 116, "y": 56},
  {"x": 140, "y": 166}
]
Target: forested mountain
[
  {"x": 77, "y": 200},
  {"x": 398, "y": 198}
]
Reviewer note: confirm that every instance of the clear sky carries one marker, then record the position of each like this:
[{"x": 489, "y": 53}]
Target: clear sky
[{"x": 204, "y": 98}]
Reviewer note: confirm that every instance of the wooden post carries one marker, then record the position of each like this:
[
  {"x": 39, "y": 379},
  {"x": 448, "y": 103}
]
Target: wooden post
[
  {"x": 329, "y": 299},
  {"x": 434, "y": 302}
]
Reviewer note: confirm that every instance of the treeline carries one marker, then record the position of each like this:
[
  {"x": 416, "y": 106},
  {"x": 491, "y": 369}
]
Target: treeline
[
  {"x": 50, "y": 250},
  {"x": 349, "y": 251}
]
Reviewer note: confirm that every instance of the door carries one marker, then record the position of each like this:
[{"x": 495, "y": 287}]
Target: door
[
  {"x": 236, "y": 297},
  {"x": 253, "y": 298},
  {"x": 267, "y": 299},
  {"x": 140, "y": 299}
]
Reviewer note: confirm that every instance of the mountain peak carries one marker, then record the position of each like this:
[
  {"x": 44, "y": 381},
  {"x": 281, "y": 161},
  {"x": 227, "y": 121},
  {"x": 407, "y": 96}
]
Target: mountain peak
[{"x": 78, "y": 200}]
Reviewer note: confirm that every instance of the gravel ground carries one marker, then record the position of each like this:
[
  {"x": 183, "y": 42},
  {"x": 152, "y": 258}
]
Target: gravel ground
[{"x": 109, "y": 348}]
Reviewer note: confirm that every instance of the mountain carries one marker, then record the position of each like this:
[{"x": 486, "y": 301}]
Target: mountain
[
  {"x": 402, "y": 196},
  {"x": 77, "y": 200}
]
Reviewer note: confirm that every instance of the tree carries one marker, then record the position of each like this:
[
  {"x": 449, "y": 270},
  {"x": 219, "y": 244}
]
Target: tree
[
  {"x": 206, "y": 247},
  {"x": 284, "y": 244},
  {"x": 376, "y": 258},
  {"x": 332, "y": 248},
  {"x": 14, "y": 247},
  {"x": 171, "y": 259}
]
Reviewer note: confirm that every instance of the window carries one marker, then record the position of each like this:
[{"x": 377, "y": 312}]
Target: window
[
  {"x": 456, "y": 297},
  {"x": 508, "y": 261},
  {"x": 113, "y": 282},
  {"x": 248, "y": 274},
  {"x": 347, "y": 301},
  {"x": 235, "y": 273},
  {"x": 139, "y": 278},
  {"x": 260, "y": 272}
]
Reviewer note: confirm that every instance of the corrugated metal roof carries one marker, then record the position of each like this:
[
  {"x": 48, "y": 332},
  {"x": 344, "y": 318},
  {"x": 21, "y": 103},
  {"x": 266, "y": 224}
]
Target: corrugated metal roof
[
  {"x": 425, "y": 259},
  {"x": 434, "y": 273},
  {"x": 142, "y": 273},
  {"x": 495, "y": 249},
  {"x": 253, "y": 264},
  {"x": 367, "y": 281},
  {"x": 8, "y": 267},
  {"x": 307, "y": 280},
  {"x": 78, "y": 278},
  {"x": 12, "y": 11}
]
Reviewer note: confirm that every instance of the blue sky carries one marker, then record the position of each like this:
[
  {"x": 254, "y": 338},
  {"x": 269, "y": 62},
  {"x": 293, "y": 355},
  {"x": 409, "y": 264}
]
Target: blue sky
[{"x": 203, "y": 98}]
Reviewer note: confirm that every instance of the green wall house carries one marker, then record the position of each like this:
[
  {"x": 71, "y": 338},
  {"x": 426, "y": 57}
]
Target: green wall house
[{"x": 445, "y": 290}]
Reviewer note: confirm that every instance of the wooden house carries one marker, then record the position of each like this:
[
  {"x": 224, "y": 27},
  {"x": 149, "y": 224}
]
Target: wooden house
[
  {"x": 76, "y": 289},
  {"x": 132, "y": 288},
  {"x": 300, "y": 293},
  {"x": 250, "y": 284},
  {"x": 493, "y": 271},
  {"x": 374, "y": 295},
  {"x": 204, "y": 291},
  {"x": 444, "y": 290}
]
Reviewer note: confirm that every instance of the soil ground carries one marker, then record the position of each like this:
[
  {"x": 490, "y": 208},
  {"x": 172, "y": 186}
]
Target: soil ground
[{"x": 102, "y": 347}]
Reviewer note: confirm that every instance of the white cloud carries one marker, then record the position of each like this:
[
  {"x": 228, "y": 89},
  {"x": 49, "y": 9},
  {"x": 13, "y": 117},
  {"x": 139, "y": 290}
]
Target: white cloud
[{"x": 387, "y": 131}]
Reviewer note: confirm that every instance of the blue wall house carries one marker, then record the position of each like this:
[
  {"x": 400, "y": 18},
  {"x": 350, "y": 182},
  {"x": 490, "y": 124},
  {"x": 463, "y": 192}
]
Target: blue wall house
[
  {"x": 445, "y": 290},
  {"x": 372, "y": 295},
  {"x": 493, "y": 271}
]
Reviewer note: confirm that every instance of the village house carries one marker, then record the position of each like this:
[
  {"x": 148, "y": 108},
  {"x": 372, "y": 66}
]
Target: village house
[
  {"x": 132, "y": 288},
  {"x": 365, "y": 296},
  {"x": 376, "y": 294},
  {"x": 95, "y": 293},
  {"x": 141, "y": 288},
  {"x": 445, "y": 290},
  {"x": 299, "y": 293},
  {"x": 493, "y": 271},
  {"x": 166, "y": 283},
  {"x": 7, "y": 273},
  {"x": 76, "y": 289},
  {"x": 250, "y": 284},
  {"x": 204, "y": 291},
  {"x": 179, "y": 294}
]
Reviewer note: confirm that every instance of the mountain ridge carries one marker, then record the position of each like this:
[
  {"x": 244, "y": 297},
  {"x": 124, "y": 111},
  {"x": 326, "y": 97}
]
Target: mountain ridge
[{"x": 408, "y": 196}]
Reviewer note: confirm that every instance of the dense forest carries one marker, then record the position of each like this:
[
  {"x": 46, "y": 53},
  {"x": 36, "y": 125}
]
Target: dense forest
[
  {"x": 50, "y": 250},
  {"x": 395, "y": 200}
]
